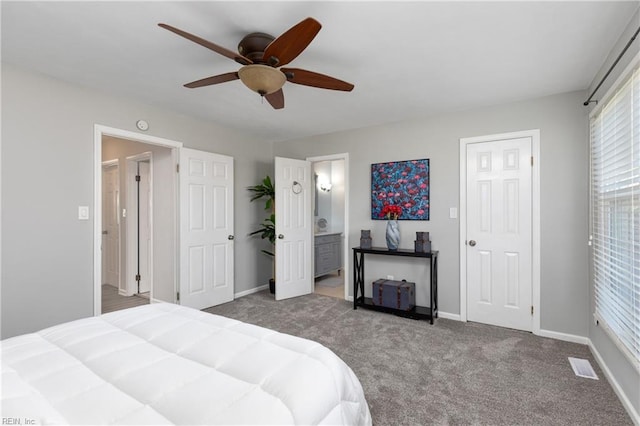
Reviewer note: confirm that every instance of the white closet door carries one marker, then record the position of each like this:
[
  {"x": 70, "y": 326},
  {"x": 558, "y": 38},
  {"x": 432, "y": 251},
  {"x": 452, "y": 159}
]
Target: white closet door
[
  {"x": 499, "y": 232},
  {"x": 206, "y": 229}
]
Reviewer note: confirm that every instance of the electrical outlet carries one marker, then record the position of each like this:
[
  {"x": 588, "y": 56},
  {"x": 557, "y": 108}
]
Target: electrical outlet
[{"x": 389, "y": 277}]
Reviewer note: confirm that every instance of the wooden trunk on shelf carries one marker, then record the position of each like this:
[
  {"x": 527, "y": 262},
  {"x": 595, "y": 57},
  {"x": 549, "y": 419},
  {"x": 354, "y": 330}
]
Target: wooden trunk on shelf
[{"x": 394, "y": 294}]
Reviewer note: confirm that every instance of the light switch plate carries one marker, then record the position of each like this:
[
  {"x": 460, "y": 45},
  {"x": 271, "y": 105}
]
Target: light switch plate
[
  {"x": 453, "y": 213},
  {"x": 83, "y": 212}
]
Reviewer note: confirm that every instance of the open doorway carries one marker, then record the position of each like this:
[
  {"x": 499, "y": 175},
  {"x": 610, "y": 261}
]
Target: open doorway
[
  {"x": 130, "y": 209},
  {"x": 331, "y": 229}
]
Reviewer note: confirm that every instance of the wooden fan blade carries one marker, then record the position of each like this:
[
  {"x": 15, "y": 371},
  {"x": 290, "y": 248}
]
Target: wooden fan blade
[
  {"x": 276, "y": 99},
  {"x": 216, "y": 79},
  {"x": 314, "y": 79},
  {"x": 209, "y": 45},
  {"x": 289, "y": 45}
]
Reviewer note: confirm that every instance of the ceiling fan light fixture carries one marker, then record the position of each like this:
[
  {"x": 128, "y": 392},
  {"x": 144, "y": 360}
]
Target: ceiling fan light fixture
[{"x": 262, "y": 79}]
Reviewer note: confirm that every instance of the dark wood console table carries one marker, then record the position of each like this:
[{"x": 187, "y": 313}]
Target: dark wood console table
[{"x": 418, "y": 312}]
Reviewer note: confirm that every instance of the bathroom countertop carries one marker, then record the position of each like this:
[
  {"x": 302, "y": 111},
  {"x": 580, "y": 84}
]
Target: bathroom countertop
[{"x": 319, "y": 234}]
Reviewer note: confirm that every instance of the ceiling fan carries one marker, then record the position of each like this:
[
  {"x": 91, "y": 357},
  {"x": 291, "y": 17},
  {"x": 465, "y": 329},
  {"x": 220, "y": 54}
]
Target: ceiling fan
[{"x": 261, "y": 55}]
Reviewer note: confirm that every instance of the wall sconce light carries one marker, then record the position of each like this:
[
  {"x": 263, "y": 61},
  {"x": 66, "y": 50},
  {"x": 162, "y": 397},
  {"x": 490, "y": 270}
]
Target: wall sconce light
[
  {"x": 326, "y": 187},
  {"x": 324, "y": 184}
]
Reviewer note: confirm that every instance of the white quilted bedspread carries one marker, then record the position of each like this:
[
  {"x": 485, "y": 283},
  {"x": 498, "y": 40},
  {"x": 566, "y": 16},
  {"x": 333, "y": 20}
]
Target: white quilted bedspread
[{"x": 167, "y": 364}]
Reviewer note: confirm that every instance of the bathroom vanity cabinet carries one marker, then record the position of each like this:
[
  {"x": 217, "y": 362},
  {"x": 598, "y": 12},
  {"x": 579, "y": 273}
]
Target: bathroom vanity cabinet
[{"x": 328, "y": 253}]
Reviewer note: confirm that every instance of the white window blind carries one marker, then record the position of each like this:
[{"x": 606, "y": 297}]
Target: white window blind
[{"x": 615, "y": 192}]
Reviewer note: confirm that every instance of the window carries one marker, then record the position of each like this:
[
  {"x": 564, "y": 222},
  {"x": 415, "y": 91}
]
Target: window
[{"x": 615, "y": 205}]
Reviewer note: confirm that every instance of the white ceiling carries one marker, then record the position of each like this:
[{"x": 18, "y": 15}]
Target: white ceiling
[{"x": 406, "y": 59}]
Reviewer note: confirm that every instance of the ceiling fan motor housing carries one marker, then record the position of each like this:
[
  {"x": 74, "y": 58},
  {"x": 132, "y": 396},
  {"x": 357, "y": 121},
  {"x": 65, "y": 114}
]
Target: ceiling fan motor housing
[{"x": 253, "y": 45}]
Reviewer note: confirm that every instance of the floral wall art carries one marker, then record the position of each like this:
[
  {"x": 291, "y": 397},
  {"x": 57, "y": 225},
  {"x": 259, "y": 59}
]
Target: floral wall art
[{"x": 400, "y": 183}]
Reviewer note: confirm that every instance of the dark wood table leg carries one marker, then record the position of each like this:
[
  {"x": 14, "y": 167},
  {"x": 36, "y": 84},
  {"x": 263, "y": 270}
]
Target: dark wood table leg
[
  {"x": 435, "y": 284},
  {"x": 431, "y": 289},
  {"x": 355, "y": 280},
  {"x": 362, "y": 276}
]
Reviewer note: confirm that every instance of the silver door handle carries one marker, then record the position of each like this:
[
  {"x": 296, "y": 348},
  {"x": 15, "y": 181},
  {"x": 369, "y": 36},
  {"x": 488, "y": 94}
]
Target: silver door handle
[
  {"x": 230, "y": 237},
  {"x": 280, "y": 237},
  {"x": 472, "y": 243}
]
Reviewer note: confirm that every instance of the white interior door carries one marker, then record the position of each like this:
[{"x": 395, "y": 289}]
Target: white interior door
[
  {"x": 145, "y": 265},
  {"x": 499, "y": 233},
  {"x": 110, "y": 225},
  {"x": 294, "y": 228},
  {"x": 206, "y": 229}
]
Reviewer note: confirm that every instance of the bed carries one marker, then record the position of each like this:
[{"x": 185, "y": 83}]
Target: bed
[{"x": 167, "y": 364}]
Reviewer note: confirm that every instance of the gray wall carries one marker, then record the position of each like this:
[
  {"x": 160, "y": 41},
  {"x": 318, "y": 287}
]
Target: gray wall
[
  {"x": 337, "y": 195},
  {"x": 564, "y": 202},
  {"x": 621, "y": 368},
  {"x": 47, "y": 172}
]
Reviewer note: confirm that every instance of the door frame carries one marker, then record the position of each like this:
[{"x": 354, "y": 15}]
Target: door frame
[
  {"x": 109, "y": 164},
  {"x": 132, "y": 231},
  {"x": 99, "y": 131},
  {"x": 345, "y": 242},
  {"x": 534, "y": 134}
]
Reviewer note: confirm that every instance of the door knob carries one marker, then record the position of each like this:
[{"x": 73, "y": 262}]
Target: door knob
[
  {"x": 280, "y": 237},
  {"x": 472, "y": 243},
  {"x": 230, "y": 237}
]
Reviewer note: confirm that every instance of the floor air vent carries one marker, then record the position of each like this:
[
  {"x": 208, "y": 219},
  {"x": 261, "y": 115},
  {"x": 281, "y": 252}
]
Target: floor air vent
[{"x": 582, "y": 368}]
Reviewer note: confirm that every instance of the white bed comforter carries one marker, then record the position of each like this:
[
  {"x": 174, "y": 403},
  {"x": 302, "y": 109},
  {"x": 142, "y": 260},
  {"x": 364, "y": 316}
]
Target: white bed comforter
[{"x": 166, "y": 364}]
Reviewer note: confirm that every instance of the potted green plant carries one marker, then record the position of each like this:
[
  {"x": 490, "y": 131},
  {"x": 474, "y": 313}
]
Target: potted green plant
[{"x": 267, "y": 229}]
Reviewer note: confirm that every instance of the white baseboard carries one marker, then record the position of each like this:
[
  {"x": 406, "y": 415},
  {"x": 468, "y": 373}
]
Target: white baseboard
[
  {"x": 250, "y": 291},
  {"x": 349, "y": 299},
  {"x": 626, "y": 403},
  {"x": 563, "y": 336},
  {"x": 154, "y": 300},
  {"x": 544, "y": 333},
  {"x": 447, "y": 315}
]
